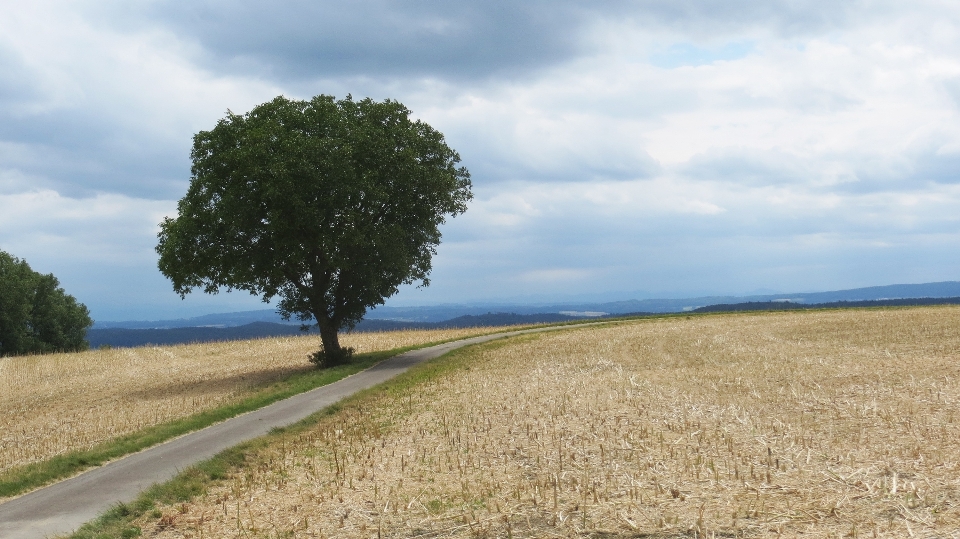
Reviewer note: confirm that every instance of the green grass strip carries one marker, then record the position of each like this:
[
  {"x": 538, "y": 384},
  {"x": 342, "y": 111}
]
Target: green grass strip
[
  {"x": 192, "y": 482},
  {"x": 29, "y": 477},
  {"x": 118, "y": 522},
  {"x": 24, "y": 478}
]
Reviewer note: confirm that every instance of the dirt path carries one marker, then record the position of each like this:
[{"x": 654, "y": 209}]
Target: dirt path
[{"x": 62, "y": 507}]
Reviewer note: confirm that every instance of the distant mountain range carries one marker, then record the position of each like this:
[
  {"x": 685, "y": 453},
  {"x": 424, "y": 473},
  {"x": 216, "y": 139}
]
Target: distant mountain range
[
  {"x": 127, "y": 337},
  {"x": 789, "y": 306},
  {"x": 440, "y": 313},
  {"x": 445, "y": 312},
  {"x": 267, "y": 323}
]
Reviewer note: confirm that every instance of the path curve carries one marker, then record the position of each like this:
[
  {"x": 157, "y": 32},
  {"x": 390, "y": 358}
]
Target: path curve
[{"x": 63, "y": 507}]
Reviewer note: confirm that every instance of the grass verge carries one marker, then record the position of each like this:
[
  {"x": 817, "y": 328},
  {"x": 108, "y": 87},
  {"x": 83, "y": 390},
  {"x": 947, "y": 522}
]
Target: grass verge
[
  {"x": 118, "y": 522},
  {"x": 850, "y": 407},
  {"x": 23, "y": 479}
]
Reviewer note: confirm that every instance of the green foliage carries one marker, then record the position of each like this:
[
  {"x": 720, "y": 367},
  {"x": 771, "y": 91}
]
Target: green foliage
[
  {"x": 36, "y": 315},
  {"x": 330, "y": 205}
]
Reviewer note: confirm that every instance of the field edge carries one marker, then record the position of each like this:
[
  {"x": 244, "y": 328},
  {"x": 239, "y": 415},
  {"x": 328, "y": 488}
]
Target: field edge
[
  {"x": 192, "y": 482},
  {"x": 21, "y": 480}
]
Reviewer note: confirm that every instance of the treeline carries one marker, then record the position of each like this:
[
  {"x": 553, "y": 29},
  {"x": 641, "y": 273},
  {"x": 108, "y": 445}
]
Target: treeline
[
  {"x": 36, "y": 315},
  {"x": 117, "y": 337}
]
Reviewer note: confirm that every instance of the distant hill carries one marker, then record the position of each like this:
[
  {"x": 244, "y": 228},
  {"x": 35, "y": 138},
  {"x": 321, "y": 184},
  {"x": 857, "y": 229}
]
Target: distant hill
[
  {"x": 441, "y": 313},
  {"x": 209, "y": 320},
  {"x": 267, "y": 323},
  {"x": 126, "y": 337},
  {"x": 129, "y": 337},
  {"x": 787, "y": 305}
]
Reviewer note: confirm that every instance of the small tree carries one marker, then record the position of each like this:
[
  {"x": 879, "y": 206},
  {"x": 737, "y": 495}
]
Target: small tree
[
  {"x": 330, "y": 205},
  {"x": 36, "y": 315}
]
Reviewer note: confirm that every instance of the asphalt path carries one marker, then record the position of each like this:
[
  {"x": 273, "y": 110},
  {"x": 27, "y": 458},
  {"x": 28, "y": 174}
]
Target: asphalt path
[{"x": 62, "y": 507}]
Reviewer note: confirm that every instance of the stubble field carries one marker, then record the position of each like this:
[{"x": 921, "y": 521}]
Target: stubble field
[
  {"x": 55, "y": 403},
  {"x": 819, "y": 424}
]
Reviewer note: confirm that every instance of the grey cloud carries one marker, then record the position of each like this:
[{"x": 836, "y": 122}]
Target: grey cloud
[
  {"x": 454, "y": 40},
  {"x": 748, "y": 167},
  {"x": 17, "y": 85},
  {"x": 805, "y": 98},
  {"x": 107, "y": 290},
  {"x": 952, "y": 88},
  {"x": 907, "y": 172},
  {"x": 97, "y": 146},
  {"x": 683, "y": 255},
  {"x": 491, "y": 169},
  {"x": 495, "y": 153},
  {"x": 80, "y": 149},
  {"x": 938, "y": 168},
  {"x": 787, "y": 17},
  {"x": 911, "y": 172},
  {"x": 376, "y": 38},
  {"x": 78, "y": 153}
]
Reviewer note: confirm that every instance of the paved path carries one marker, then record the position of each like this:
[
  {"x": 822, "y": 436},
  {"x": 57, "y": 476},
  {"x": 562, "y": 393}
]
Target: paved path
[{"x": 62, "y": 507}]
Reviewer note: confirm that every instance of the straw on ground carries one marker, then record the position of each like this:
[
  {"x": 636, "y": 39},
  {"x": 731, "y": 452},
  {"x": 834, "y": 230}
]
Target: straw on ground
[
  {"x": 55, "y": 403},
  {"x": 816, "y": 424}
]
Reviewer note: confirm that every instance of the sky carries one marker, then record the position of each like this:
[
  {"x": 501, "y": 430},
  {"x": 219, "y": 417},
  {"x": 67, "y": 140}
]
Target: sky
[{"x": 619, "y": 149}]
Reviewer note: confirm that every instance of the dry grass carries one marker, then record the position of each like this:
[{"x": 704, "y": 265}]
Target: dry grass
[
  {"x": 55, "y": 403},
  {"x": 826, "y": 424}
]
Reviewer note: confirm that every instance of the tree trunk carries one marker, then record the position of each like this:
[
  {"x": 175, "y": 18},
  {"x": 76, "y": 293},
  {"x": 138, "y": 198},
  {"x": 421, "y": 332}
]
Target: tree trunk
[
  {"x": 331, "y": 354},
  {"x": 329, "y": 337}
]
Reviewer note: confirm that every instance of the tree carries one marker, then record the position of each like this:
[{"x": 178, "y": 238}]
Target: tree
[
  {"x": 328, "y": 204},
  {"x": 36, "y": 315}
]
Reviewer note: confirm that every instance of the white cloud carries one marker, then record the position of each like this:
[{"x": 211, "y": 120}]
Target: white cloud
[
  {"x": 666, "y": 146},
  {"x": 101, "y": 248},
  {"x": 61, "y": 231},
  {"x": 109, "y": 109}
]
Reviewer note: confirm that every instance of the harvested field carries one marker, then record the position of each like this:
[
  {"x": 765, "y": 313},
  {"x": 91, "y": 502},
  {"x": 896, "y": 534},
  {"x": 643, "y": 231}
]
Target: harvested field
[
  {"x": 801, "y": 424},
  {"x": 54, "y": 403}
]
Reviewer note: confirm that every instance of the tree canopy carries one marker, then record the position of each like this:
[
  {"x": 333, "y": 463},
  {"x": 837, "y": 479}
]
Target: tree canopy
[
  {"x": 328, "y": 204},
  {"x": 36, "y": 315}
]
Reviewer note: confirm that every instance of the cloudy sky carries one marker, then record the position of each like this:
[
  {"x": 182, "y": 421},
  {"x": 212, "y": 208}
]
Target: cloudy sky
[{"x": 618, "y": 148}]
